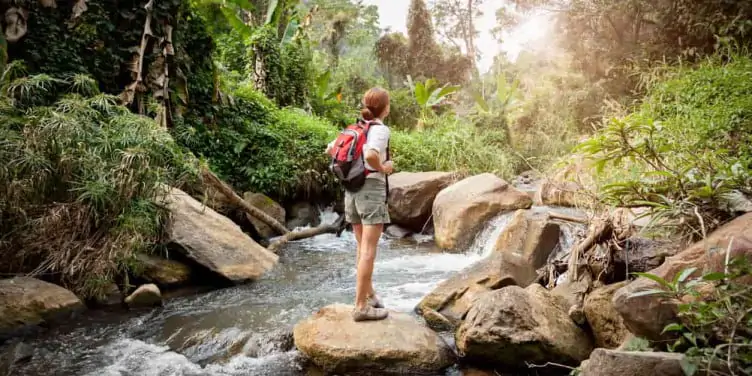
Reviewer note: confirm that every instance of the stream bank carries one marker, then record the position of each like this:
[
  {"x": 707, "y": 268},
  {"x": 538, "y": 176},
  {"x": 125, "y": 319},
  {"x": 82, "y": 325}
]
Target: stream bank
[{"x": 243, "y": 330}]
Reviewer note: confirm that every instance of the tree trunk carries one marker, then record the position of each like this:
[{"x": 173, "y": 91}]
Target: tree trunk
[
  {"x": 334, "y": 228},
  {"x": 233, "y": 197}
]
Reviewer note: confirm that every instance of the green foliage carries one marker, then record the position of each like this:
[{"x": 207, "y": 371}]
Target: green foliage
[
  {"x": 257, "y": 147},
  {"x": 715, "y": 318},
  {"x": 447, "y": 144},
  {"x": 685, "y": 149},
  {"x": 78, "y": 179},
  {"x": 405, "y": 111},
  {"x": 428, "y": 95}
]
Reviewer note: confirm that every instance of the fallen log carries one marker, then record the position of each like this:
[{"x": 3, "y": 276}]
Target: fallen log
[
  {"x": 334, "y": 228},
  {"x": 287, "y": 236},
  {"x": 567, "y": 218},
  {"x": 226, "y": 190}
]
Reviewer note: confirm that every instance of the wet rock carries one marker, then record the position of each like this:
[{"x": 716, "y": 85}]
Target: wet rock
[
  {"x": 397, "y": 232},
  {"x": 214, "y": 241},
  {"x": 303, "y": 214},
  {"x": 399, "y": 344},
  {"x": 112, "y": 296},
  {"x": 646, "y": 316},
  {"x": 411, "y": 197},
  {"x": 462, "y": 209},
  {"x": 521, "y": 248},
  {"x": 514, "y": 326},
  {"x": 605, "y": 362},
  {"x": 145, "y": 296},
  {"x": 640, "y": 255},
  {"x": 268, "y": 206},
  {"x": 13, "y": 355},
  {"x": 163, "y": 272},
  {"x": 606, "y": 323},
  {"x": 273, "y": 343},
  {"x": 26, "y": 303}
]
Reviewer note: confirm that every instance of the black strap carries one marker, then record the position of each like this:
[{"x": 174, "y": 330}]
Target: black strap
[{"x": 386, "y": 177}]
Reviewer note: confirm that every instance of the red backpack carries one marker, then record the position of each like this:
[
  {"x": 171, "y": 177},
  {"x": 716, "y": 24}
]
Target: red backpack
[{"x": 348, "y": 160}]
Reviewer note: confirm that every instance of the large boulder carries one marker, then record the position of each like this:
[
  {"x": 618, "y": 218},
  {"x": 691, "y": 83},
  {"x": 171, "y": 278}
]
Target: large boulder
[
  {"x": 411, "y": 196},
  {"x": 399, "y": 344},
  {"x": 462, "y": 209},
  {"x": 520, "y": 250},
  {"x": 646, "y": 316},
  {"x": 606, "y": 323},
  {"x": 268, "y": 206},
  {"x": 604, "y": 362},
  {"x": 26, "y": 303},
  {"x": 214, "y": 241},
  {"x": 513, "y": 326},
  {"x": 162, "y": 271}
]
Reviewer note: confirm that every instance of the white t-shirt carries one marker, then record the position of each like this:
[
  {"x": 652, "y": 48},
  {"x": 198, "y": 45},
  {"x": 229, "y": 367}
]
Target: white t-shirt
[{"x": 378, "y": 139}]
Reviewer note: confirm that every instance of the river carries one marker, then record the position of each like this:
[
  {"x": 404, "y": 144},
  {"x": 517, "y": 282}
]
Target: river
[{"x": 237, "y": 331}]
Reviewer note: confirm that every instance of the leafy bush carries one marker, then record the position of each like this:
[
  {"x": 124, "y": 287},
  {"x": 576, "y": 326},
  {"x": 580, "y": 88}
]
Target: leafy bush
[
  {"x": 450, "y": 145},
  {"x": 714, "y": 328},
  {"x": 404, "y": 109},
  {"x": 257, "y": 147},
  {"x": 685, "y": 149},
  {"x": 78, "y": 176}
]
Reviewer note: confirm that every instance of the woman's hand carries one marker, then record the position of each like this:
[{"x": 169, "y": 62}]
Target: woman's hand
[{"x": 387, "y": 167}]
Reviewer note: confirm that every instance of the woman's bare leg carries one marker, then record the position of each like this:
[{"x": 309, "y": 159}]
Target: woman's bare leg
[
  {"x": 358, "y": 231},
  {"x": 367, "y": 255}
]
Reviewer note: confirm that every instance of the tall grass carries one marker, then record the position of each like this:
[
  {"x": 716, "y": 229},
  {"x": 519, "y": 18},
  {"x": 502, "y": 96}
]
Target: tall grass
[{"x": 78, "y": 178}]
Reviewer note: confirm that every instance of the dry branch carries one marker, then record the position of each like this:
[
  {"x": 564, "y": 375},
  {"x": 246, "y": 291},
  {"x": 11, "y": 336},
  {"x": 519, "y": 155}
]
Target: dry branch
[
  {"x": 222, "y": 187},
  {"x": 567, "y": 218},
  {"x": 333, "y": 228},
  {"x": 598, "y": 230}
]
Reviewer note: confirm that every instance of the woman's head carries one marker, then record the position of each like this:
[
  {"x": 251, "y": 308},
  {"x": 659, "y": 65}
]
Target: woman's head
[{"x": 375, "y": 104}]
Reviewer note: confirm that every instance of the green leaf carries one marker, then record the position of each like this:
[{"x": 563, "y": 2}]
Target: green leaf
[
  {"x": 421, "y": 95},
  {"x": 647, "y": 293},
  {"x": 681, "y": 277},
  {"x": 273, "y": 12},
  {"x": 717, "y": 276},
  {"x": 689, "y": 367},
  {"x": 322, "y": 83},
  {"x": 656, "y": 278},
  {"x": 480, "y": 101},
  {"x": 672, "y": 328}
]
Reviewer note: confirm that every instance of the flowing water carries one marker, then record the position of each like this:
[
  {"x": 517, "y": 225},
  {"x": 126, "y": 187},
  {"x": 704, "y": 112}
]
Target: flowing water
[{"x": 242, "y": 330}]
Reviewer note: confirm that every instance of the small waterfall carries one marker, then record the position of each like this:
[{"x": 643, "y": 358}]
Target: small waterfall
[
  {"x": 486, "y": 239},
  {"x": 327, "y": 215}
]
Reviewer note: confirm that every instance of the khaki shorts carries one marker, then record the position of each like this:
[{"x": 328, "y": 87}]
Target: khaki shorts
[{"x": 368, "y": 205}]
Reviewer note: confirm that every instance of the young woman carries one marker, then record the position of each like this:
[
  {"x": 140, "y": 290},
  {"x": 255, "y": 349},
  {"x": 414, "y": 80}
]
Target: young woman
[{"x": 366, "y": 209}]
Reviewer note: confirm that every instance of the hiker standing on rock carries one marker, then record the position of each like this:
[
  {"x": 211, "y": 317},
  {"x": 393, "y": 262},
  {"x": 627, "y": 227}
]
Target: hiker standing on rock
[{"x": 360, "y": 160}]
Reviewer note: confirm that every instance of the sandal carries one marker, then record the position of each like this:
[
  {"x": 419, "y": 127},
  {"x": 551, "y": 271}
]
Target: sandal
[
  {"x": 369, "y": 314},
  {"x": 375, "y": 302}
]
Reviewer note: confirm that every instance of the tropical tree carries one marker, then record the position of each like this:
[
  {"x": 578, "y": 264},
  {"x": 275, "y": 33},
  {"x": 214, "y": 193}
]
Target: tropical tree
[{"x": 455, "y": 23}]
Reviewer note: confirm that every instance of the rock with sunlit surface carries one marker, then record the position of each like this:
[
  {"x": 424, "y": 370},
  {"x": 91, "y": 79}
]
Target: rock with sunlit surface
[
  {"x": 522, "y": 248},
  {"x": 461, "y": 209},
  {"x": 214, "y": 241},
  {"x": 411, "y": 196},
  {"x": 514, "y": 327},
  {"x": 399, "y": 344},
  {"x": 26, "y": 303},
  {"x": 647, "y": 315}
]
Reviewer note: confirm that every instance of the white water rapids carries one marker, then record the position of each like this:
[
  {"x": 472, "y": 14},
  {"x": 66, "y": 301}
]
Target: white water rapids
[{"x": 233, "y": 331}]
